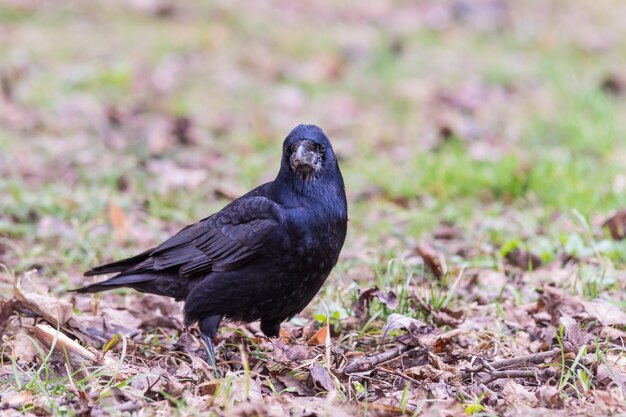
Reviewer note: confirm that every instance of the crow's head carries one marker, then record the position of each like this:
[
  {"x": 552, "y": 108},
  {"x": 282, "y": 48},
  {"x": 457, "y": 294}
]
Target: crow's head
[{"x": 307, "y": 151}]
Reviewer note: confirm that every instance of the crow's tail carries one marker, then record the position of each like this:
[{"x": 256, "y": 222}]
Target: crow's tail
[
  {"x": 116, "y": 282},
  {"x": 119, "y": 266},
  {"x": 168, "y": 284}
]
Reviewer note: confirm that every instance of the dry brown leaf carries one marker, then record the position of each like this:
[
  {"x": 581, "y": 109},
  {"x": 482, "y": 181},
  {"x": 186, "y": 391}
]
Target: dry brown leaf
[
  {"x": 244, "y": 388},
  {"x": 16, "y": 399},
  {"x": 24, "y": 347},
  {"x": 6, "y": 309},
  {"x": 516, "y": 393},
  {"x": 549, "y": 397},
  {"x": 322, "y": 377},
  {"x": 319, "y": 338},
  {"x": 291, "y": 381},
  {"x": 519, "y": 317},
  {"x": 360, "y": 306},
  {"x": 524, "y": 260},
  {"x": 115, "y": 316},
  {"x": 447, "y": 232},
  {"x": 118, "y": 221},
  {"x": 613, "y": 84},
  {"x": 434, "y": 260},
  {"x": 445, "y": 316},
  {"x": 438, "y": 363},
  {"x": 53, "y": 310},
  {"x": 610, "y": 374},
  {"x": 614, "y": 335},
  {"x": 492, "y": 282},
  {"x": 58, "y": 313},
  {"x": 151, "y": 379},
  {"x": 616, "y": 225},
  {"x": 605, "y": 312},
  {"x": 428, "y": 372},
  {"x": 554, "y": 304},
  {"x": 284, "y": 353},
  {"x": 389, "y": 299},
  {"x": 399, "y": 321}
]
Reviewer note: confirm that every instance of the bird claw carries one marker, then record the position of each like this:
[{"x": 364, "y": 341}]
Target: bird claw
[{"x": 210, "y": 353}]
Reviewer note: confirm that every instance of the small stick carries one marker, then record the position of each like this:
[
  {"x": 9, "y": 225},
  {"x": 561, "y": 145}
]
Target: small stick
[
  {"x": 493, "y": 368},
  {"x": 369, "y": 362},
  {"x": 534, "y": 358},
  {"x": 47, "y": 334},
  {"x": 511, "y": 373}
]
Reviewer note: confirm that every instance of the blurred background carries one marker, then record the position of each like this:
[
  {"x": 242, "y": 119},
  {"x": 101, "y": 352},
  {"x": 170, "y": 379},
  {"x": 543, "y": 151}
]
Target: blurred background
[{"x": 122, "y": 121}]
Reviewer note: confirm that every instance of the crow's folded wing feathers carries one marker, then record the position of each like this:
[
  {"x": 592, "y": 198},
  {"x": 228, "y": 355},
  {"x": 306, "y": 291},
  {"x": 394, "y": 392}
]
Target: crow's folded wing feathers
[{"x": 225, "y": 241}]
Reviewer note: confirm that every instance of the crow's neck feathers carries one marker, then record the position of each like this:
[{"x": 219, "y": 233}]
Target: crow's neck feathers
[{"x": 322, "y": 192}]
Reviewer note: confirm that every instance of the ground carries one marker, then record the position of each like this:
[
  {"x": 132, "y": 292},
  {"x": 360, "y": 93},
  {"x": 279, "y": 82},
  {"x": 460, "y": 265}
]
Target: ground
[{"x": 482, "y": 144}]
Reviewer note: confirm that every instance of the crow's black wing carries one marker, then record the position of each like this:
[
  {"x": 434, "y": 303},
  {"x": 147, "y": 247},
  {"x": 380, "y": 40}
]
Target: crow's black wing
[{"x": 225, "y": 241}]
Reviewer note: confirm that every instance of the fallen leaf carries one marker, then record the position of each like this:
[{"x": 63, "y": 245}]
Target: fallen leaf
[
  {"x": 399, "y": 321},
  {"x": 613, "y": 85},
  {"x": 151, "y": 380},
  {"x": 432, "y": 259},
  {"x": 182, "y": 129},
  {"x": 322, "y": 377},
  {"x": 573, "y": 332},
  {"x": 445, "y": 316},
  {"x": 58, "y": 313},
  {"x": 244, "y": 388},
  {"x": 442, "y": 315},
  {"x": 524, "y": 260},
  {"x": 16, "y": 399},
  {"x": 549, "y": 397},
  {"x": 24, "y": 347},
  {"x": 300, "y": 388},
  {"x": 360, "y": 306},
  {"x": 389, "y": 299},
  {"x": 616, "y": 225},
  {"x": 516, "y": 393},
  {"x": 319, "y": 338},
  {"x": 53, "y": 310},
  {"x": 118, "y": 221},
  {"x": 446, "y": 232},
  {"x": 6, "y": 310},
  {"x": 428, "y": 372},
  {"x": 285, "y": 353},
  {"x": 605, "y": 312},
  {"x": 608, "y": 374}
]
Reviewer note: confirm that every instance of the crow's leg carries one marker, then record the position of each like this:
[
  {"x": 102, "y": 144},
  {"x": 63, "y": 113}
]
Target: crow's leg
[
  {"x": 208, "y": 330},
  {"x": 271, "y": 328}
]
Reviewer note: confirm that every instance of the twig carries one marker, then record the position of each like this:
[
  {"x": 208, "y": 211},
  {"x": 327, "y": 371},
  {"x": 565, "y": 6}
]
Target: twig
[
  {"x": 369, "y": 362},
  {"x": 495, "y": 369},
  {"x": 511, "y": 373},
  {"x": 535, "y": 358}
]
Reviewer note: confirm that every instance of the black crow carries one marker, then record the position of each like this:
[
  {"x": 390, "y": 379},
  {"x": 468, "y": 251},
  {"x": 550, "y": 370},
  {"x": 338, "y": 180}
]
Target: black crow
[{"x": 262, "y": 257}]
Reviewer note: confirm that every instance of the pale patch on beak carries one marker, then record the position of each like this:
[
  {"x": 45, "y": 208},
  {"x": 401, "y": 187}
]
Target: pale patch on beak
[{"x": 305, "y": 158}]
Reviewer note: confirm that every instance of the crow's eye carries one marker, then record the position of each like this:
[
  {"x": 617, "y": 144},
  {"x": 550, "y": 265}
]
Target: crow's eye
[
  {"x": 288, "y": 151},
  {"x": 321, "y": 148}
]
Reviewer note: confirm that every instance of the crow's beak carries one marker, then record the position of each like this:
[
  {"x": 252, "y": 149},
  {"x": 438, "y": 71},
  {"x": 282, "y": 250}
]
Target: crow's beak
[{"x": 305, "y": 158}]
